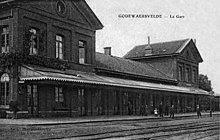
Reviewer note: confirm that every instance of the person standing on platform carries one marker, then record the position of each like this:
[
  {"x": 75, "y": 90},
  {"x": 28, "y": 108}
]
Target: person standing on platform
[
  {"x": 198, "y": 111},
  {"x": 155, "y": 112},
  {"x": 142, "y": 110},
  {"x": 129, "y": 108},
  {"x": 172, "y": 111},
  {"x": 161, "y": 109},
  {"x": 166, "y": 110},
  {"x": 146, "y": 110}
]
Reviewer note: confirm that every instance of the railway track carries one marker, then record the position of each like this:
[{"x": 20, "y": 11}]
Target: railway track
[
  {"x": 159, "y": 128},
  {"x": 116, "y": 122},
  {"x": 156, "y": 131},
  {"x": 176, "y": 130}
]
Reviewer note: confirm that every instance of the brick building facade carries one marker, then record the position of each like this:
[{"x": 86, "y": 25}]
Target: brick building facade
[{"x": 49, "y": 65}]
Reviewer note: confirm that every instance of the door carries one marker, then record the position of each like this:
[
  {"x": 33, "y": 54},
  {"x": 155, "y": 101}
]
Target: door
[{"x": 32, "y": 100}]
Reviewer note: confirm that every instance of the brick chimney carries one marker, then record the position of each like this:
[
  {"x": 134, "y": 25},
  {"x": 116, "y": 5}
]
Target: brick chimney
[
  {"x": 107, "y": 50},
  {"x": 148, "y": 39},
  {"x": 148, "y": 49}
]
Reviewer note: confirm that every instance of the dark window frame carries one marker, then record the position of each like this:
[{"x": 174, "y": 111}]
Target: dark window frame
[
  {"x": 180, "y": 72},
  {"x": 59, "y": 46},
  {"x": 34, "y": 41},
  {"x": 59, "y": 96},
  {"x": 32, "y": 95},
  {"x": 82, "y": 51},
  {"x": 187, "y": 74},
  {"x": 5, "y": 34},
  {"x": 81, "y": 101},
  {"x": 194, "y": 75}
]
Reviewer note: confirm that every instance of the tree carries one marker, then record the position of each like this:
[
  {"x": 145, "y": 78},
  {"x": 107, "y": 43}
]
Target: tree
[{"x": 205, "y": 83}]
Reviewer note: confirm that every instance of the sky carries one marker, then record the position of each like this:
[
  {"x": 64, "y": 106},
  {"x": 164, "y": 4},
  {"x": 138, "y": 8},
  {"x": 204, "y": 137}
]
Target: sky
[{"x": 200, "y": 20}]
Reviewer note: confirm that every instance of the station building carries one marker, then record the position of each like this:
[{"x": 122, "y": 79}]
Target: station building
[{"x": 48, "y": 64}]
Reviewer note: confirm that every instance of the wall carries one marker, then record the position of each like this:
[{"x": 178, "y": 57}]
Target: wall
[
  {"x": 8, "y": 17},
  {"x": 165, "y": 64},
  {"x": 43, "y": 16},
  {"x": 188, "y": 58}
]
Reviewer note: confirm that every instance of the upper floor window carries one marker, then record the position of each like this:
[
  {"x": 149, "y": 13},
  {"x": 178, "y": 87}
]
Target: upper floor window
[
  {"x": 194, "y": 76},
  {"x": 34, "y": 41},
  {"x": 5, "y": 39},
  {"x": 82, "y": 52},
  {"x": 187, "y": 74},
  {"x": 180, "y": 73},
  {"x": 59, "y": 96},
  {"x": 59, "y": 46}
]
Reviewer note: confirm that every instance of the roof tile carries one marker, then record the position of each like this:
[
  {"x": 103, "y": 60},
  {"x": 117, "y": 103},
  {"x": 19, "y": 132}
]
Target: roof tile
[
  {"x": 128, "y": 66},
  {"x": 161, "y": 48}
]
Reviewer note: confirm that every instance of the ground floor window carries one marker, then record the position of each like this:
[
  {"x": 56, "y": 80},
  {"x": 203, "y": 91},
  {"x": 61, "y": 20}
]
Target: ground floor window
[
  {"x": 81, "y": 101},
  {"x": 32, "y": 99},
  {"x": 59, "y": 96},
  {"x": 116, "y": 99},
  {"x": 4, "y": 89}
]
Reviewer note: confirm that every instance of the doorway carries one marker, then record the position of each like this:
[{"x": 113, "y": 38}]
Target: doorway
[{"x": 32, "y": 100}]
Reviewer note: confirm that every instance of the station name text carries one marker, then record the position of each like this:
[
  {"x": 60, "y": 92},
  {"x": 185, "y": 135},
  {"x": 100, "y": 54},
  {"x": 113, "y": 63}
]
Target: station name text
[{"x": 150, "y": 16}]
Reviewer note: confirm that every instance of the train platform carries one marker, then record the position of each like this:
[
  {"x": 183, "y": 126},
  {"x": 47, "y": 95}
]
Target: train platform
[{"x": 92, "y": 119}]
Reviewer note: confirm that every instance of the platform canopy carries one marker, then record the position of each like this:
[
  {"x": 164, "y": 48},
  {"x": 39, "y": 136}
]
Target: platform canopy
[{"x": 35, "y": 73}]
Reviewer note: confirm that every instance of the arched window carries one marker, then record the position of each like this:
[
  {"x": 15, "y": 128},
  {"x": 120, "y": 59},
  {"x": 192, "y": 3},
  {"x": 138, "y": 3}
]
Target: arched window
[{"x": 4, "y": 89}]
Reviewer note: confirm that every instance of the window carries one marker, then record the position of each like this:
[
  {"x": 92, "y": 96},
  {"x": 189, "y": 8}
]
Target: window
[
  {"x": 180, "y": 73},
  {"x": 5, "y": 39},
  {"x": 82, "y": 52},
  {"x": 29, "y": 95},
  {"x": 33, "y": 41},
  {"x": 4, "y": 89},
  {"x": 81, "y": 101},
  {"x": 125, "y": 98},
  {"x": 187, "y": 74},
  {"x": 35, "y": 98},
  {"x": 61, "y": 8},
  {"x": 194, "y": 76},
  {"x": 59, "y": 46},
  {"x": 59, "y": 97},
  {"x": 32, "y": 96}
]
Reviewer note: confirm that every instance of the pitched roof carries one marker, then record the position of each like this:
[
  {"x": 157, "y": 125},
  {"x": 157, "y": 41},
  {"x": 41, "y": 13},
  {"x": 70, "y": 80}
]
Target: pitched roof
[
  {"x": 162, "y": 48},
  {"x": 92, "y": 16},
  {"x": 93, "y": 19},
  {"x": 36, "y": 73},
  {"x": 5, "y": 1},
  {"x": 128, "y": 66}
]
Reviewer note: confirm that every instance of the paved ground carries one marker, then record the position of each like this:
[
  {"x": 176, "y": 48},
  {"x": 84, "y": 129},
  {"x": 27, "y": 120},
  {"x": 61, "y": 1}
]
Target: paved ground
[
  {"x": 184, "y": 126},
  {"x": 48, "y": 121}
]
